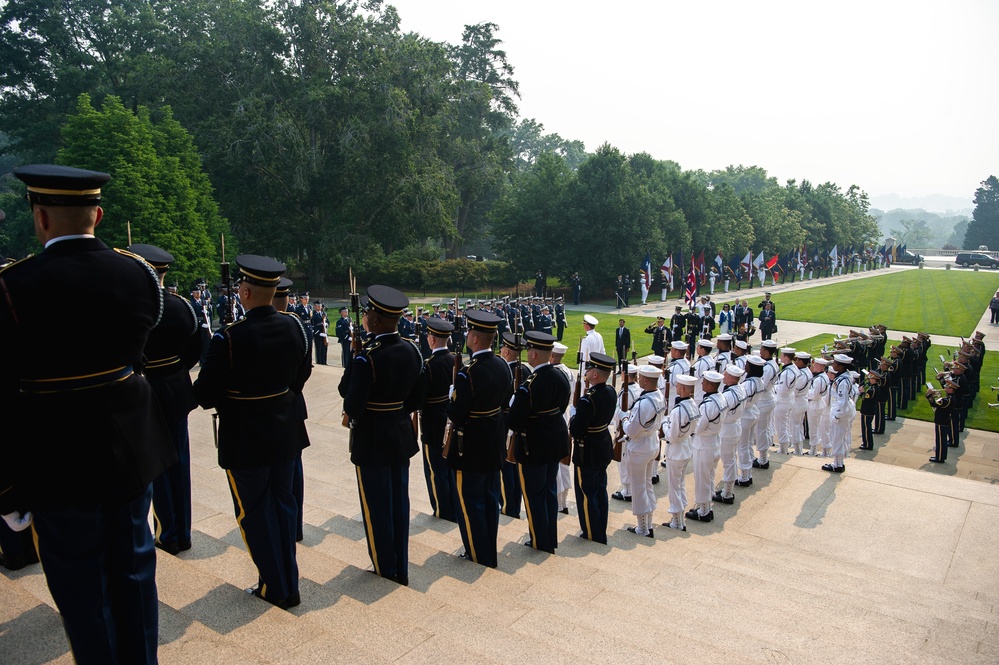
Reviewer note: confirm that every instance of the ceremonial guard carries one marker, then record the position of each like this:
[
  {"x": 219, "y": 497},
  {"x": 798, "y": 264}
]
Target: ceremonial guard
[
  {"x": 593, "y": 447},
  {"x": 753, "y": 385},
  {"x": 632, "y": 391},
  {"x": 706, "y": 446},
  {"x": 577, "y": 286},
  {"x": 252, "y": 374},
  {"x": 943, "y": 405},
  {"x": 785, "y": 393},
  {"x": 537, "y": 412},
  {"x": 319, "y": 325},
  {"x": 730, "y": 432},
  {"x": 702, "y": 364},
  {"x": 544, "y": 322},
  {"x": 81, "y": 480},
  {"x": 560, "y": 321},
  {"x": 677, "y": 324},
  {"x": 203, "y": 311},
  {"x": 437, "y": 374},
  {"x": 510, "y": 493},
  {"x": 841, "y": 411},
  {"x": 660, "y": 336},
  {"x": 381, "y": 388},
  {"x": 458, "y": 336},
  {"x": 680, "y": 424},
  {"x": 818, "y": 408},
  {"x": 868, "y": 410},
  {"x": 642, "y": 428},
  {"x": 891, "y": 365},
  {"x": 475, "y": 445},
  {"x": 343, "y": 334},
  {"x": 800, "y": 405},
  {"x": 592, "y": 342},
  {"x": 724, "y": 356},
  {"x": 693, "y": 330},
  {"x": 172, "y": 349},
  {"x": 765, "y": 401}
]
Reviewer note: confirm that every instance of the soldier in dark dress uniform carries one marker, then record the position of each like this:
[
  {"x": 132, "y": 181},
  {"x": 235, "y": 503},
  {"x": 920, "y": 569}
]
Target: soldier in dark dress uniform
[
  {"x": 172, "y": 349},
  {"x": 660, "y": 336},
  {"x": 869, "y": 410},
  {"x": 342, "y": 331},
  {"x": 378, "y": 405},
  {"x": 538, "y": 413},
  {"x": 98, "y": 438},
  {"x": 593, "y": 447},
  {"x": 693, "y": 330},
  {"x": 943, "y": 407},
  {"x": 319, "y": 324},
  {"x": 481, "y": 390},
  {"x": 433, "y": 417},
  {"x": 510, "y": 493},
  {"x": 255, "y": 370},
  {"x": 677, "y": 324},
  {"x": 560, "y": 321},
  {"x": 458, "y": 336},
  {"x": 204, "y": 317}
]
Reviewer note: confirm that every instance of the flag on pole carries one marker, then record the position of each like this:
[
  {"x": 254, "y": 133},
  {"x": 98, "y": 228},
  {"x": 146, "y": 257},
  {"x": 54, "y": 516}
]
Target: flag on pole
[
  {"x": 833, "y": 255},
  {"x": 646, "y": 270},
  {"x": 747, "y": 262},
  {"x": 701, "y": 273},
  {"x": 759, "y": 261},
  {"x": 735, "y": 267},
  {"x": 719, "y": 261},
  {"x": 690, "y": 294},
  {"x": 667, "y": 273}
]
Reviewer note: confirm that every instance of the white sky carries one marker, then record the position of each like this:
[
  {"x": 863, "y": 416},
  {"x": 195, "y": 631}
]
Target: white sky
[{"x": 896, "y": 97}]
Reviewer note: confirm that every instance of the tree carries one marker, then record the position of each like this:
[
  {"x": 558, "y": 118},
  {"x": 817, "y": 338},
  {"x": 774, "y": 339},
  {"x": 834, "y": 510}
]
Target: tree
[
  {"x": 156, "y": 183},
  {"x": 528, "y": 143},
  {"x": 914, "y": 232},
  {"x": 984, "y": 226}
]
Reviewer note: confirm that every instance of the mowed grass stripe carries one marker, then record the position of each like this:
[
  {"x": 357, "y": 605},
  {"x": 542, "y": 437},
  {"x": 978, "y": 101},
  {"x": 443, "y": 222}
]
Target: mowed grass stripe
[{"x": 939, "y": 302}]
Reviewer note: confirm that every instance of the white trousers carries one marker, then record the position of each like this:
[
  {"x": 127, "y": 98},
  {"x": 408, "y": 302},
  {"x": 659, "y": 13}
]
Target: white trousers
[
  {"x": 643, "y": 496},
  {"x": 705, "y": 463},
  {"x": 728, "y": 452},
  {"x": 764, "y": 427},
  {"x": 676, "y": 473}
]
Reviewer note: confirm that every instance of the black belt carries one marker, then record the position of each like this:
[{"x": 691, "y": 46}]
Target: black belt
[{"x": 81, "y": 382}]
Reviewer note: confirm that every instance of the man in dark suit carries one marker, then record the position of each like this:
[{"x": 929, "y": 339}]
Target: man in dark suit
[
  {"x": 477, "y": 445},
  {"x": 253, "y": 373},
  {"x": 537, "y": 412},
  {"x": 378, "y": 405},
  {"x": 622, "y": 342},
  {"x": 768, "y": 321},
  {"x": 172, "y": 349},
  {"x": 83, "y": 475}
]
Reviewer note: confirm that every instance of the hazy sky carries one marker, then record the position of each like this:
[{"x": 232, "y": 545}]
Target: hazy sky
[{"x": 896, "y": 97}]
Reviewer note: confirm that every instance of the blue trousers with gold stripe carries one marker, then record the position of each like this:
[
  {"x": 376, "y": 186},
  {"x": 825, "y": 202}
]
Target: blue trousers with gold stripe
[
  {"x": 478, "y": 504},
  {"x": 100, "y": 565},
  {"x": 267, "y": 515},
  {"x": 510, "y": 491},
  {"x": 298, "y": 490},
  {"x": 944, "y": 436},
  {"x": 440, "y": 483},
  {"x": 538, "y": 484},
  {"x": 591, "y": 503},
  {"x": 172, "y": 491},
  {"x": 384, "y": 494}
]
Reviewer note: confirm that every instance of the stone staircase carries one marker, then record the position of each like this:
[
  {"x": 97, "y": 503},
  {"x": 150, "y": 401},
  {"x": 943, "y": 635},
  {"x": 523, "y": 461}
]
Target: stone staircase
[{"x": 882, "y": 564}]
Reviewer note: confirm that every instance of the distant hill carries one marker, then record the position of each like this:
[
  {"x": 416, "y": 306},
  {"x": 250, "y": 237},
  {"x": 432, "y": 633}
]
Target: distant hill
[
  {"x": 923, "y": 229},
  {"x": 952, "y": 205}
]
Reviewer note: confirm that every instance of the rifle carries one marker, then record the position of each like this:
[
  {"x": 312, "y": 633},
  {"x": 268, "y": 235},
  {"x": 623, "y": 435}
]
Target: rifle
[
  {"x": 355, "y": 340},
  {"x": 449, "y": 429},
  {"x": 511, "y": 452},
  {"x": 230, "y": 313},
  {"x": 576, "y": 394},
  {"x": 625, "y": 394}
]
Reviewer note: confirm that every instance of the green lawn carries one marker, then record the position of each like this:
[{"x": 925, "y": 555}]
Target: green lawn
[
  {"x": 980, "y": 416},
  {"x": 939, "y": 302}
]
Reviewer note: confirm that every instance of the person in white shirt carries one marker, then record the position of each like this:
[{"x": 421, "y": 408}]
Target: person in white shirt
[
  {"x": 765, "y": 401},
  {"x": 730, "y": 432},
  {"x": 785, "y": 393},
  {"x": 818, "y": 407},
  {"x": 841, "y": 411},
  {"x": 752, "y": 385},
  {"x": 703, "y": 363},
  {"x": 642, "y": 428},
  {"x": 679, "y": 425},
  {"x": 563, "y": 481},
  {"x": 706, "y": 446},
  {"x": 624, "y": 471},
  {"x": 592, "y": 341},
  {"x": 800, "y": 404}
]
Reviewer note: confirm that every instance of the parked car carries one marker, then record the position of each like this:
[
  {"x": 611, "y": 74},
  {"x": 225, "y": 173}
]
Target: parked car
[
  {"x": 976, "y": 259},
  {"x": 910, "y": 258}
]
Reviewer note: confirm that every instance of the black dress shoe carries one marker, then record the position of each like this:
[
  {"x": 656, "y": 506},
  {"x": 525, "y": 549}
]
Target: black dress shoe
[
  {"x": 829, "y": 467},
  {"x": 744, "y": 483},
  {"x": 936, "y": 459},
  {"x": 528, "y": 543},
  {"x": 294, "y": 600},
  {"x": 403, "y": 581},
  {"x": 655, "y": 480},
  {"x": 17, "y": 562},
  {"x": 668, "y": 525},
  {"x": 170, "y": 547},
  {"x": 757, "y": 464},
  {"x": 952, "y": 445},
  {"x": 721, "y": 498},
  {"x": 564, "y": 511},
  {"x": 184, "y": 546},
  {"x": 663, "y": 464},
  {"x": 634, "y": 530},
  {"x": 621, "y": 497},
  {"x": 708, "y": 517}
]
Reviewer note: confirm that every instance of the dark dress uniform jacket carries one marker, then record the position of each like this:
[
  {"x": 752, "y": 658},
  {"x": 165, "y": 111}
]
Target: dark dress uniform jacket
[
  {"x": 381, "y": 388},
  {"x": 437, "y": 374},
  {"x": 537, "y": 412},
  {"x": 253, "y": 374},
  {"x": 589, "y": 426},
  {"x": 481, "y": 391},
  {"x": 97, "y": 432},
  {"x": 173, "y": 348}
]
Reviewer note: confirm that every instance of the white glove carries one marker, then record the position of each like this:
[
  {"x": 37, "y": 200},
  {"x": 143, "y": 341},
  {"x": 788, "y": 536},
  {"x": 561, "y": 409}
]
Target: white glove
[
  {"x": 450, "y": 392},
  {"x": 572, "y": 412},
  {"x": 16, "y": 522},
  {"x": 512, "y": 397},
  {"x": 322, "y": 334}
]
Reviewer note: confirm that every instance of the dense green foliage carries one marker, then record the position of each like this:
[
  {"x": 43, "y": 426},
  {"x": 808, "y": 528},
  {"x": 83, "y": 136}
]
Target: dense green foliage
[
  {"x": 984, "y": 226},
  {"x": 330, "y": 137}
]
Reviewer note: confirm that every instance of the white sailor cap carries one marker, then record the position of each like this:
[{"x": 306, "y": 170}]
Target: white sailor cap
[
  {"x": 713, "y": 376},
  {"x": 649, "y": 371},
  {"x": 560, "y": 348},
  {"x": 803, "y": 355},
  {"x": 843, "y": 359},
  {"x": 655, "y": 360},
  {"x": 686, "y": 380},
  {"x": 734, "y": 370},
  {"x": 706, "y": 343},
  {"x": 632, "y": 369},
  {"x": 768, "y": 344},
  {"x": 589, "y": 318},
  {"x": 820, "y": 361},
  {"x": 787, "y": 351},
  {"x": 741, "y": 343},
  {"x": 679, "y": 346},
  {"x": 756, "y": 360},
  {"x": 724, "y": 338}
]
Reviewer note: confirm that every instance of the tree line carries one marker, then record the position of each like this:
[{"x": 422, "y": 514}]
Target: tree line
[{"x": 321, "y": 133}]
